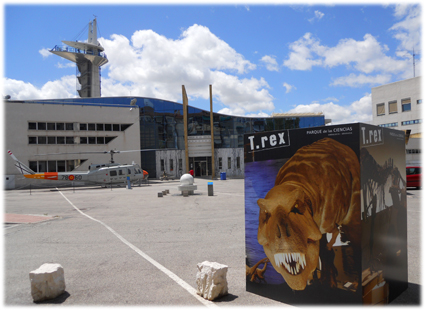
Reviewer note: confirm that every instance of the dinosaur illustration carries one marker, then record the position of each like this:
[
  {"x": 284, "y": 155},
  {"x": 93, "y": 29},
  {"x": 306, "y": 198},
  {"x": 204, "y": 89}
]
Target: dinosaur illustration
[
  {"x": 254, "y": 273},
  {"x": 317, "y": 191}
]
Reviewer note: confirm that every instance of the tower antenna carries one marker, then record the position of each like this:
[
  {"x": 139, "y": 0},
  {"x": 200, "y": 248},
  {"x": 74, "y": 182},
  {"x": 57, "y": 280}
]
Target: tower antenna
[{"x": 413, "y": 62}]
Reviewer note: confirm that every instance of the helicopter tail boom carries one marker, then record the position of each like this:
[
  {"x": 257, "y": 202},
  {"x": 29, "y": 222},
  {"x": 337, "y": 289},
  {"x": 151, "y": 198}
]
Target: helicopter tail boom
[{"x": 25, "y": 170}]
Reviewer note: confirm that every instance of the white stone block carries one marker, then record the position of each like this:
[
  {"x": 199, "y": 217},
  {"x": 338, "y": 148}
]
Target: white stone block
[
  {"x": 47, "y": 282},
  {"x": 211, "y": 280}
]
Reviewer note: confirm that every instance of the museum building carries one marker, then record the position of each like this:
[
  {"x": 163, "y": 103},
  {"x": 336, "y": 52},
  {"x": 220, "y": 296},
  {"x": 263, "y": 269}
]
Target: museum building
[
  {"x": 398, "y": 105},
  {"x": 64, "y": 135}
]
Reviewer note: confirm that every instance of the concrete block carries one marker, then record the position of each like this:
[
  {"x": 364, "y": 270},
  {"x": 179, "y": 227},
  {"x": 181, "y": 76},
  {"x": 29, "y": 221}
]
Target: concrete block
[
  {"x": 168, "y": 191},
  {"x": 159, "y": 194},
  {"x": 164, "y": 193},
  {"x": 47, "y": 282},
  {"x": 211, "y": 280}
]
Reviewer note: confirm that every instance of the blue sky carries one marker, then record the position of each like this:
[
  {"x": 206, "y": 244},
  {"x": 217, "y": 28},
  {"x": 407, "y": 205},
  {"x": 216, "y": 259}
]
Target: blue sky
[{"x": 259, "y": 59}]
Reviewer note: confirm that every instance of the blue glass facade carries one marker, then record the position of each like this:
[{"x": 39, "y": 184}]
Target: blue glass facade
[{"x": 162, "y": 127}]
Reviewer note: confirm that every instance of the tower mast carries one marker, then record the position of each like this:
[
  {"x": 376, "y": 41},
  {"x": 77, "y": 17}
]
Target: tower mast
[{"x": 89, "y": 57}]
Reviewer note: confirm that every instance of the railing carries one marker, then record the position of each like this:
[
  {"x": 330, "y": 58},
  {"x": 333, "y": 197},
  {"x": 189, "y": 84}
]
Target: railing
[{"x": 76, "y": 50}]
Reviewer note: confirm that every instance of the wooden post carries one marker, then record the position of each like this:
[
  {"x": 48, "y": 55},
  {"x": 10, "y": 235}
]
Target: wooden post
[
  {"x": 212, "y": 134},
  {"x": 185, "y": 108}
]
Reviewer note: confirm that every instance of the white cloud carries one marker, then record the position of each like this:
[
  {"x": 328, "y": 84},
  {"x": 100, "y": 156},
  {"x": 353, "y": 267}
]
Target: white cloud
[
  {"x": 317, "y": 16},
  {"x": 270, "y": 62},
  {"x": 65, "y": 66},
  {"x": 360, "y": 80},
  {"x": 288, "y": 87},
  {"x": 152, "y": 65},
  {"x": 358, "y": 111},
  {"x": 45, "y": 52},
  {"x": 19, "y": 90},
  {"x": 408, "y": 31}
]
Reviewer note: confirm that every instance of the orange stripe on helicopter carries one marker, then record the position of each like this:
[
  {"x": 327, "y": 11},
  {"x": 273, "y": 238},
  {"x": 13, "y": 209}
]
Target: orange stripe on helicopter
[{"x": 44, "y": 176}]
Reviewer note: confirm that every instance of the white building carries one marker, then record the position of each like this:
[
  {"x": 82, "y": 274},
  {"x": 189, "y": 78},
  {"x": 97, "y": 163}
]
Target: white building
[{"x": 399, "y": 105}]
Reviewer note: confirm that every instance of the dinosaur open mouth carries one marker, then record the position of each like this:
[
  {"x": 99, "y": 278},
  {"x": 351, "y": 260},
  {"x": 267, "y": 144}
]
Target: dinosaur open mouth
[{"x": 293, "y": 262}]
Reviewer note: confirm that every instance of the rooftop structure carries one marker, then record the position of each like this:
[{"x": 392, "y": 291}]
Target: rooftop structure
[{"x": 89, "y": 57}]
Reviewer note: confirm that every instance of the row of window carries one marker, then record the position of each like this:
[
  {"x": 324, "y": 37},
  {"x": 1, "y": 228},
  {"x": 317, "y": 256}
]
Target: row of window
[
  {"x": 404, "y": 123},
  {"x": 220, "y": 163},
  {"x": 55, "y": 165},
  {"x": 69, "y": 140},
  {"x": 416, "y": 121},
  {"x": 77, "y": 126},
  {"x": 413, "y": 151},
  {"x": 393, "y": 107}
]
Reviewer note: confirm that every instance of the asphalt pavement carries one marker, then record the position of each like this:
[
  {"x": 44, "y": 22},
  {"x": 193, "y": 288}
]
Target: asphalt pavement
[{"x": 130, "y": 247}]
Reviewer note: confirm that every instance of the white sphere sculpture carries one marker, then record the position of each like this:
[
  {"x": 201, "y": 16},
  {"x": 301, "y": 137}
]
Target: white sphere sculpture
[{"x": 186, "y": 179}]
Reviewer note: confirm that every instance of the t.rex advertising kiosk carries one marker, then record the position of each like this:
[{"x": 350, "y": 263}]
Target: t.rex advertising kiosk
[{"x": 325, "y": 214}]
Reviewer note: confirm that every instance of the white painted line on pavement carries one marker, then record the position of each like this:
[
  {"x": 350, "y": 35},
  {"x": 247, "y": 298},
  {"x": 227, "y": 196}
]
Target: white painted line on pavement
[{"x": 173, "y": 276}]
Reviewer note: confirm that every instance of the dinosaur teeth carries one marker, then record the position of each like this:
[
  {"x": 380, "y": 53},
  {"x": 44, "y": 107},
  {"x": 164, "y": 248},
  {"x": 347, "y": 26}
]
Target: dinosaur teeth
[{"x": 294, "y": 263}]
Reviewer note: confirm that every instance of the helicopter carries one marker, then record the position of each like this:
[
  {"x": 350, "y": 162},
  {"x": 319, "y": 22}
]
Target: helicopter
[{"x": 101, "y": 174}]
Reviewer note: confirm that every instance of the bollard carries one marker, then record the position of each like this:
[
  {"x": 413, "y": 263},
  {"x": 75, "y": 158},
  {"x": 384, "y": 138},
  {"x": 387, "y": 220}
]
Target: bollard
[
  {"x": 210, "y": 189},
  {"x": 168, "y": 191},
  {"x": 164, "y": 193},
  {"x": 159, "y": 194}
]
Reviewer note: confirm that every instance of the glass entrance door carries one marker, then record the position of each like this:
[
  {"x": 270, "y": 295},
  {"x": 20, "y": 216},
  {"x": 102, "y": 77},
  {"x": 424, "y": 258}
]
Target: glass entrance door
[{"x": 201, "y": 166}]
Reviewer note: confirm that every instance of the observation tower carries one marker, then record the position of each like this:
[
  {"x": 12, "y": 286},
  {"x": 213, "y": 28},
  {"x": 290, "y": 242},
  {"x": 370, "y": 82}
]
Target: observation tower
[{"x": 89, "y": 57}]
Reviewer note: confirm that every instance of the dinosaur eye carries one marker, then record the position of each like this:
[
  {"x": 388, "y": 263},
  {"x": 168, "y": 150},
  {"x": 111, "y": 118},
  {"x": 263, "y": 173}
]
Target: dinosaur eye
[{"x": 295, "y": 209}]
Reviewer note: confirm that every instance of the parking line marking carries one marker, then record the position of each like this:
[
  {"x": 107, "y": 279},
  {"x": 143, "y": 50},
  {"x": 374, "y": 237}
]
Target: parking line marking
[{"x": 169, "y": 273}]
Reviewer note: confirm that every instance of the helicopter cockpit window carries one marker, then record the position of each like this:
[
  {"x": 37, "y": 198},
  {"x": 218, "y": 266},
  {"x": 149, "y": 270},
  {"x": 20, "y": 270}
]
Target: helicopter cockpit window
[
  {"x": 120, "y": 172},
  {"x": 113, "y": 173},
  {"x": 129, "y": 171}
]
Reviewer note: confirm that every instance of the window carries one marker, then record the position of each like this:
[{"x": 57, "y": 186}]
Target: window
[
  {"x": 229, "y": 163},
  {"x": 108, "y": 127},
  {"x": 109, "y": 139},
  {"x": 32, "y": 126},
  {"x": 42, "y": 140},
  {"x": 113, "y": 173},
  {"x": 91, "y": 126},
  {"x": 120, "y": 172},
  {"x": 99, "y": 127},
  {"x": 51, "y": 166},
  {"x": 380, "y": 109},
  {"x": 69, "y": 126},
  {"x": 180, "y": 164},
  {"x": 419, "y": 101},
  {"x": 116, "y": 127},
  {"x": 238, "y": 162},
  {"x": 69, "y": 140},
  {"x": 220, "y": 163},
  {"x": 51, "y": 140},
  {"x": 60, "y": 140},
  {"x": 60, "y": 126},
  {"x": 33, "y": 166},
  {"x": 129, "y": 171},
  {"x": 92, "y": 140},
  {"x": 83, "y": 140},
  {"x": 51, "y": 126},
  {"x": 41, "y": 126},
  {"x": 124, "y": 126},
  {"x": 32, "y": 140},
  {"x": 171, "y": 165},
  {"x": 61, "y": 166},
  {"x": 42, "y": 166},
  {"x": 100, "y": 140},
  {"x": 162, "y": 165},
  {"x": 405, "y": 105},
  {"x": 392, "y": 106},
  {"x": 83, "y": 126}
]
